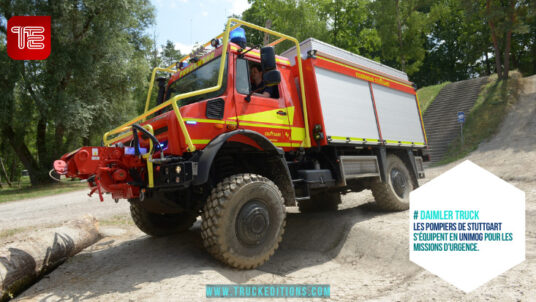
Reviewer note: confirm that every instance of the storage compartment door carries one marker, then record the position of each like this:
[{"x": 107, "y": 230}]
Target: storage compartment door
[
  {"x": 347, "y": 108},
  {"x": 398, "y": 114}
]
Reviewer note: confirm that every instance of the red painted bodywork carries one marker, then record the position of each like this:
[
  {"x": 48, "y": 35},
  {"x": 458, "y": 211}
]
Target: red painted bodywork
[
  {"x": 108, "y": 165},
  {"x": 283, "y": 130}
]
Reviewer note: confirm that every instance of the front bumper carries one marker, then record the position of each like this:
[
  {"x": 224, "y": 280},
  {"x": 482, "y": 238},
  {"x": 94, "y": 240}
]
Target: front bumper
[{"x": 175, "y": 174}]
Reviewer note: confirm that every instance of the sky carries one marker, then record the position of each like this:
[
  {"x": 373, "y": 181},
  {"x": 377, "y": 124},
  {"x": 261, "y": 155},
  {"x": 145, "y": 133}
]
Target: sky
[{"x": 186, "y": 22}]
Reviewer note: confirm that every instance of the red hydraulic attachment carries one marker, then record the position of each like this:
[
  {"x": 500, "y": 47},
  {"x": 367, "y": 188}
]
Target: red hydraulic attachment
[{"x": 107, "y": 170}]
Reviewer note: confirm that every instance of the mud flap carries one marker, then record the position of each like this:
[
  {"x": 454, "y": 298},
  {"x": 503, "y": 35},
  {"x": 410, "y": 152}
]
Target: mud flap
[{"x": 382, "y": 162}]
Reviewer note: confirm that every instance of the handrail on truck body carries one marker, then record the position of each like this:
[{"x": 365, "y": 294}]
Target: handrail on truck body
[{"x": 173, "y": 101}]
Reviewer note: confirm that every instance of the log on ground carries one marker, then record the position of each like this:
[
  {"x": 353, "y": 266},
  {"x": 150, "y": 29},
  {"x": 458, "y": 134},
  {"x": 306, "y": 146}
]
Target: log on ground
[{"x": 25, "y": 261}]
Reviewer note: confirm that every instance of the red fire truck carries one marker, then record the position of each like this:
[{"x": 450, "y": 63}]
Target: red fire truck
[{"x": 212, "y": 146}]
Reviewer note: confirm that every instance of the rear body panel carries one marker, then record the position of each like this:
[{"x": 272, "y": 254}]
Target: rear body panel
[{"x": 357, "y": 105}]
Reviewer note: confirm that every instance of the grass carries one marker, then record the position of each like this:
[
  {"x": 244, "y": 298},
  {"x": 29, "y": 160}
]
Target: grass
[
  {"x": 117, "y": 220},
  {"x": 428, "y": 94},
  {"x": 24, "y": 190},
  {"x": 485, "y": 117},
  {"x": 10, "y": 232}
]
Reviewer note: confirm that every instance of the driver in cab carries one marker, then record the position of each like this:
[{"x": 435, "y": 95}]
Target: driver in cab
[{"x": 257, "y": 83}]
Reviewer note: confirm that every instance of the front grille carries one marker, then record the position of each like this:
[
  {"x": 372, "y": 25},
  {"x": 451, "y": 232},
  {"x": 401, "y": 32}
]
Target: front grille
[{"x": 215, "y": 109}]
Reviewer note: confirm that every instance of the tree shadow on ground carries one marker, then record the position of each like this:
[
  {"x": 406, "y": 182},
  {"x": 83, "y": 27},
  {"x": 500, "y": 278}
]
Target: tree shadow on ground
[{"x": 309, "y": 240}]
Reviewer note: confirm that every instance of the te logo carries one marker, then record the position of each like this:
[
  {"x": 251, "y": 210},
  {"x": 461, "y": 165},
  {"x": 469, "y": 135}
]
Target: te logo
[{"x": 28, "y": 37}]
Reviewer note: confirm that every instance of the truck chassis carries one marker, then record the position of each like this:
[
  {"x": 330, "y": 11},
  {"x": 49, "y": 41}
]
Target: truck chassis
[{"x": 237, "y": 159}]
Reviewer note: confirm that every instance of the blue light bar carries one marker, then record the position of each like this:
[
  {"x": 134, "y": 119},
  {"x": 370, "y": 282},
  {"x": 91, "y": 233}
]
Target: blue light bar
[
  {"x": 238, "y": 36},
  {"x": 131, "y": 151},
  {"x": 191, "y": 122}
]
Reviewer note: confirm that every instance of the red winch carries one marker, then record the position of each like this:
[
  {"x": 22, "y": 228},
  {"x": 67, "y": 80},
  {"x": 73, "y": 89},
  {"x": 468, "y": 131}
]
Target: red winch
[{"x": 107, "y": 169}]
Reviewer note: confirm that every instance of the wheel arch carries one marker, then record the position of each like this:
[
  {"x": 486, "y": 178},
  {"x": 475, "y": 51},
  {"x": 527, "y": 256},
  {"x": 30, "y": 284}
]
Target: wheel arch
[
  {"x": 406, "y": 155},
  {"x": 274, "y": 166}
]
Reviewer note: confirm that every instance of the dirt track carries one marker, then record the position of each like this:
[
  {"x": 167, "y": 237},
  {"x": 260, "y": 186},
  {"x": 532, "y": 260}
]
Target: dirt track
[
  {"x": 56, "y": 209},
  {"x": 362, "y": 253}
]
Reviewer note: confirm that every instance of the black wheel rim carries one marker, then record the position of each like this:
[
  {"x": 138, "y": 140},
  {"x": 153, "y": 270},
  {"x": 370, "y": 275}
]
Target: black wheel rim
[
  {"x": 252, "y": 223},
  {"x": 399, "y": 182}
]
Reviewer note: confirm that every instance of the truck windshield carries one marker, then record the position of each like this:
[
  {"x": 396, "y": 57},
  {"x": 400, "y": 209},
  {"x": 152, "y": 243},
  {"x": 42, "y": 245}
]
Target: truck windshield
[{"x": 203, "y": 77}]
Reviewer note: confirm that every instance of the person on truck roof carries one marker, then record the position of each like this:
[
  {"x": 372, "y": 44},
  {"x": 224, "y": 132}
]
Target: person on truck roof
[{"x": 257, "y": 84}]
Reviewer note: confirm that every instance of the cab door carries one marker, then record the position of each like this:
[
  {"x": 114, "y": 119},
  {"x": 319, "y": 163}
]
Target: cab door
[{"x": 265, "y": 115}]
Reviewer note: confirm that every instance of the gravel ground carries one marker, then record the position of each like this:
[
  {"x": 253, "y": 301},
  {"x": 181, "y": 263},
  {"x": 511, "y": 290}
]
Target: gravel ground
[
  {"x": 52, "y": 210},
  {"x": 361, "y": 252}
]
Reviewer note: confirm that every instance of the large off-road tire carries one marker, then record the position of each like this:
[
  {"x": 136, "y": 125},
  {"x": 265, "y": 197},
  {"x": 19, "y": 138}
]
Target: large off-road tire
[
  {"x": 160, "y": 224},
  {"x": 394, "y": 194},
  {"x": 320, "y": 202},
  {"x": 243, "y": 220}
]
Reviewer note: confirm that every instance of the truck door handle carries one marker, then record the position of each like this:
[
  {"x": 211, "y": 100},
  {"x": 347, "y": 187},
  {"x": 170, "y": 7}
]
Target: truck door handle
[{"x": 281, "y": 112}]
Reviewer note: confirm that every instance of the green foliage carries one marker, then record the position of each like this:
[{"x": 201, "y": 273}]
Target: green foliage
[
  {"x": 524, "y": 42},
  {"x": 351, "y": 26},
  {"x": 486, "y": 116},
  {"x": 117, "y": 220},
  {"x": 84, "y": 88},
  {"x": 164, "y": 57},
  {"x": 170, "y": 55},
  {"x": 299, "y": 19},
  {"x": 97, "y": 75},
  {"x": 505, "y": 19},
  {"x": 455, "y": 45},
  {"x": 428, "y": 94},
  {"x": 402, "y": 27},
  {"x": 23, "y": 190}
]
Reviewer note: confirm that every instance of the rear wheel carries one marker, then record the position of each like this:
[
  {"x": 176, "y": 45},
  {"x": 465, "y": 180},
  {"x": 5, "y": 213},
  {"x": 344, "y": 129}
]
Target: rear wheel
[
  {"x": 394, "y": 194},
  {"x": 243, "y": 220},
  {"x": 157, "y": 225},
  {"x": 320, "y": 202}
]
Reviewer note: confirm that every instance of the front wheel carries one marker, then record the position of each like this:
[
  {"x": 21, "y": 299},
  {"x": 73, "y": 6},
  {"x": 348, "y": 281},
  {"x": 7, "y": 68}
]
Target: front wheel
[
  {"x": 157, "y": 225},
  {"x": 394, "y": 194},
  {"x": 243, "y": 220}
]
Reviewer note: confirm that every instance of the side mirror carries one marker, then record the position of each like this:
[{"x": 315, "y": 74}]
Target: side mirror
[
  {"x": 267, "y": 59},
  {"x": 272, "y": 77}
]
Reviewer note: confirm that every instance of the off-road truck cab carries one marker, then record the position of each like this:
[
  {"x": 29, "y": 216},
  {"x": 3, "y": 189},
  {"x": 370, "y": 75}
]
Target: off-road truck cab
[{"x": 337, "y": 123}]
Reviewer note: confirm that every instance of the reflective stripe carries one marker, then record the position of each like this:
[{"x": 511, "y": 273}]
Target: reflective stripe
[
  {"x": 264, "y": 125},
  {"x": 268, "y": 116},
  {"x": 282, "y": 144},
  {"x": 358, "y": 139},
  {"x": 403, "y": 142},
  {"x": 363, "y": 71},
  {"x": 420, "y": 116},
  {"x": 200, "y": 120},
  {"x": 297, "y": 134},
  {"x": 200, "y": 141}
]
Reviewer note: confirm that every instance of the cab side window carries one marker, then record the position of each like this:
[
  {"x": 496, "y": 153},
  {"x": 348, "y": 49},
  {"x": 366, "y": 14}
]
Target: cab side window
[
  {"x": 242, "y": 76},
  {"x": 247, "y": 74}
]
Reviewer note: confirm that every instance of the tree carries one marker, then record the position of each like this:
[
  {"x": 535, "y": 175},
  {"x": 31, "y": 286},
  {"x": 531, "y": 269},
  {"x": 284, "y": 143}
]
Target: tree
[
  {"x": 456, "y": 45},
  {"x": 299, "y": 19},
  {"x": 504, "y": 18},
  {"x": 169, "y": 54},
  {"x": 402, "y": 27},
  {"x": 350, "y": 26},
  {"x": 85, "y": 87},
  {"x": 523, "y": 50}
]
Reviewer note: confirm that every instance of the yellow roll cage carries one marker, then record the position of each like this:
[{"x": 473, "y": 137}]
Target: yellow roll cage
[{"x": 173, "y": 101}]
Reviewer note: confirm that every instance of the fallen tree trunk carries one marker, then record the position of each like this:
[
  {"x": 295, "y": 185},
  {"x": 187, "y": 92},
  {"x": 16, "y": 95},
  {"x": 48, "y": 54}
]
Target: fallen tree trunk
[{"x": 23, "y": 262}]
